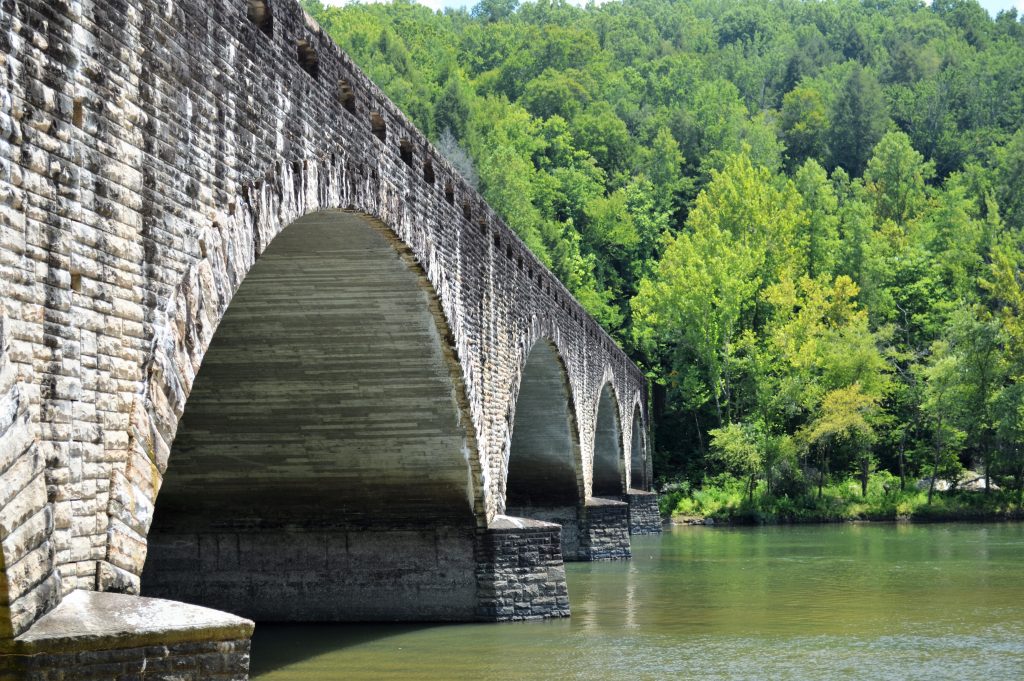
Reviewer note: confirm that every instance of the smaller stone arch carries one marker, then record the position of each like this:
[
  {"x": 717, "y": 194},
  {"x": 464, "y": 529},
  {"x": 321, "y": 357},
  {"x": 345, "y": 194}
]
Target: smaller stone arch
[
  {"x": 638, "y": 458},
  {"x": 644, "y": 514},
  {"x": 544, "y": 478},
  {"x": 544, "y": 462},
  {"x": 609, "y": 469}
]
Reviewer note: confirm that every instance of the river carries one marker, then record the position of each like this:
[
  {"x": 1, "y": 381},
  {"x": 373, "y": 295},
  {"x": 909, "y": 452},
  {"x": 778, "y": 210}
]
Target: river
[{"x": 853, "y": 601}]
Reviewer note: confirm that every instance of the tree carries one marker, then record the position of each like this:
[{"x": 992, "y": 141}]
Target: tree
[
  {"x": 1009, "y": 180},
  {"x": 804, "y": 123},
  {"x": 895, "y": 178},
  {"x": 704, "y": 291},
  {"x": 859, "y": 120},
  {"x": 843, "y": 418},
  {"x": 736, "y": 447},
  {"x": 943, "y": 410},
  {"x": 452, "y": 111},
  {"x": 820, "y": 239}
]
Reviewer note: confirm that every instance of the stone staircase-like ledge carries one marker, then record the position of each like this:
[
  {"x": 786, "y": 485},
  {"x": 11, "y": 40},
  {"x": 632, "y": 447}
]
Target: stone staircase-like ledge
[{"x": 92, "y": 633}]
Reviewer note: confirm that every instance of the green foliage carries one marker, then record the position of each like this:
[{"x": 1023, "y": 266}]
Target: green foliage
[
  {"x": 802, "y": 219},
  {"x": 724, "y": 498}
]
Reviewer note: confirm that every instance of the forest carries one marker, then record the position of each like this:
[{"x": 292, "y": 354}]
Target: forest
[{"x": 803, "y": 219}]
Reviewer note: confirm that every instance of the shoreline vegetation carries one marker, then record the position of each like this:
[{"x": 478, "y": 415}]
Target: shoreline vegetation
[{"x": 726, "y": 500}]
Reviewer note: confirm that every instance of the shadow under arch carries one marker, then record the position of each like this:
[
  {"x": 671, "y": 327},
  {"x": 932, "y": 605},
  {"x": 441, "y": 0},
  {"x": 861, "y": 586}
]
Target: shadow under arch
[
  {"x": 609, "y": 479},
  {"x": 545, "y": 471},
  {"x": 325, "y": 466},
  {"x": 639, "y": 477}
]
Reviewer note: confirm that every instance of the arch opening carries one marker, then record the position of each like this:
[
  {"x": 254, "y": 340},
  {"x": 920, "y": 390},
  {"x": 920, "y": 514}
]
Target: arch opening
[
  {"x": 609, "y": 469},
  {"x": 545, "y": 480},
  {"x": 638, "y": 477},
  {"x": 324, "y": 467}
]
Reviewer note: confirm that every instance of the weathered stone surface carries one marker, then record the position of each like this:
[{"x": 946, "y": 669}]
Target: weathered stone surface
[
  {"x": 604, "y": 530},
  {"x": 90, "y": 620},
  {"x": 150, "y": 154},
  {"x": 520, "y": 572},
  {"x": 644, "y": 515},
  {"x": 93, "y": 635}
]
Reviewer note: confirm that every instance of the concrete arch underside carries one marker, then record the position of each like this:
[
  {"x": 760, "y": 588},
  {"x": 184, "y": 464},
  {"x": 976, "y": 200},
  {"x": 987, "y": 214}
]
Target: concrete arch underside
[{"x": 323, "y": 469}]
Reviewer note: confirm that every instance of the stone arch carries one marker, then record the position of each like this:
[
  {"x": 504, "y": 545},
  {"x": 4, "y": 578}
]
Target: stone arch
[
  {"x": 609, "y": 469},
  {"x": 543, "y": 472},
  {"x": 184, "y": 324},
  {"x": 543, "y": 460},
  {"x": 638, "y": 468},
  {"x": 326, "y": 441}
]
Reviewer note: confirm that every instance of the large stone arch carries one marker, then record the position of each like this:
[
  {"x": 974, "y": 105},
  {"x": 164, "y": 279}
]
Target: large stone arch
[
  {"x": 609, "y": 467},
  {"x": 326, "y": 443},
  {"x": 229, "y": 246}
]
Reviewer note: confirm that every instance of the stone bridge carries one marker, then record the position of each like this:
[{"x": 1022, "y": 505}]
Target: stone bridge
[{"x": 234, "y": 274}]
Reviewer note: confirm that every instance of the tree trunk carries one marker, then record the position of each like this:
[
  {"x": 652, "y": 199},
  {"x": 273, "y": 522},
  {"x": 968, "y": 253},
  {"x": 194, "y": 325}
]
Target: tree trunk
[
  {"x": 903, "y": 472},
  {"x": 935, "y": 473},
  {"x": 864, "y": 471},
  {"x": 821, "y": 474},
  {"x": 935, "y": 460},
  {"x": 1020, "y": 486},
  {"x": 700, "y": 438}
]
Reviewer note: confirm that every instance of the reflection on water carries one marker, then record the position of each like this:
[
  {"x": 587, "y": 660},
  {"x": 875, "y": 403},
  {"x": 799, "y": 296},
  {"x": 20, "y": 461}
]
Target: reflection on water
[{"x": 871, "y": 601}]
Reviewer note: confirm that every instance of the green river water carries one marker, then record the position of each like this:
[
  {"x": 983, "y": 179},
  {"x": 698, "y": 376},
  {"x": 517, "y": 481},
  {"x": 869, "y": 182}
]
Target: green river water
[{"x": 855, "y": 601}]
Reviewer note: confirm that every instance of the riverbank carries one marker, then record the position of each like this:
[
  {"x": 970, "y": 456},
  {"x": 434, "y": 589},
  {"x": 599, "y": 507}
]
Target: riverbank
[{"x": 727, "y": 502}]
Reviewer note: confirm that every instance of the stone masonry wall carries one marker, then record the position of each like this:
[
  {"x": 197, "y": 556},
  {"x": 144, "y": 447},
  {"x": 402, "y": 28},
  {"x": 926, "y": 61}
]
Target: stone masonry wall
[
  {"x": 407, "y": 574},
  {"x": 644, "y": 515},
  {"x": 604, "y": 530},
  {"x": 149, "y": 153},
  {"x": 191, "y": 661},
  {"x": 520, "y": 573}
]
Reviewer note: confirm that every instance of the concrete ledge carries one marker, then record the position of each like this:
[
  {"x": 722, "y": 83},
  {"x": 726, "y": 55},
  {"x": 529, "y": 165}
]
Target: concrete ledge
[
  {"x": 594, "y": 502},
  {"x": 505, "y": 523},
  {"x": 89, "y": 620}
]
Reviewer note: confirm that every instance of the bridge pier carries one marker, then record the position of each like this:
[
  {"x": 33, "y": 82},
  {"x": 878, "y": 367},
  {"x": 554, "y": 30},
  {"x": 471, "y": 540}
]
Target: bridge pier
[
  {"x": 319, "y": 574},
  {"x": 520, "y": 573},
  {"x": 599, "y": 530},
  {"x": 604, "y": 531},
  {"x": 644, "y": 515}
]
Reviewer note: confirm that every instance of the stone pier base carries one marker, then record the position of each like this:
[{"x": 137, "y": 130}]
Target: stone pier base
[
  {"x": 597, "y": 531},
  {"x": 566, "y": 517},
  {"x": 424, "y": 574},
  {"x": 520, "y": 573},
  {"x": 644, "y": 516},
  {"x": 604, "y": 530},
  {"x": 92, "y": 636}
]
